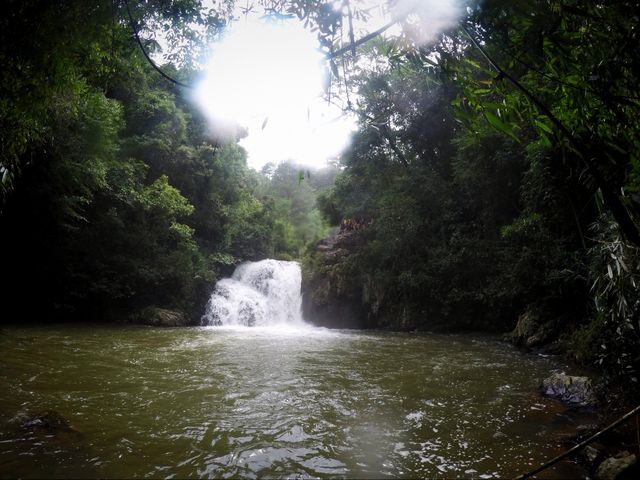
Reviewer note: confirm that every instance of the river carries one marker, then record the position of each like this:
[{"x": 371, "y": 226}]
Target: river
[{"x": 292, "y": 402}]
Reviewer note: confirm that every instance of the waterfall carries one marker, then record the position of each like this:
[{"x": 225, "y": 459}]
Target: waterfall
[{"x": 258, "y": 294}]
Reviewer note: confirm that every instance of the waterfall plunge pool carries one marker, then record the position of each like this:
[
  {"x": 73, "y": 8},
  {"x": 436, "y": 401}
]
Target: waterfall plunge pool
[{"x": 286, "y": 402}]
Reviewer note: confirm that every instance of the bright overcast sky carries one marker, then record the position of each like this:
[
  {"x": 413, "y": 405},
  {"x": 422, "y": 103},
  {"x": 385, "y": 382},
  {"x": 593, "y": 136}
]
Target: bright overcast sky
[{"x": 269, "y": 77}]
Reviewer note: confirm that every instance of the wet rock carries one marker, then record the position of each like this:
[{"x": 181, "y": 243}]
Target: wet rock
[
  {"x": 160, "y": 317},
  {"x": 50, "y": 424},
  {"x": 49, "y": 420},
  {"x": 331, "y": 295},
  {"x": 574, "y": 390},
  {"x": 614, "y": 467},
  {"x": 590, "y": 454},
  {"x": 530, "y": 331}
]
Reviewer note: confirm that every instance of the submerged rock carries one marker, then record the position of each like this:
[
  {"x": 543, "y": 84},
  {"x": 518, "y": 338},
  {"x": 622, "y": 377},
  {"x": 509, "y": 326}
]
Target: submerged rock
[
  {"x": 49, "y": 420},
  {"x": 613, "y": 467},
  {"x": 574, "y": 390},
  {"x": 50, "y": 424}
]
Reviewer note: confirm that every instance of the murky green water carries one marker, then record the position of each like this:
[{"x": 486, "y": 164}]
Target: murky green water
[{"x": 212, "y": 402}]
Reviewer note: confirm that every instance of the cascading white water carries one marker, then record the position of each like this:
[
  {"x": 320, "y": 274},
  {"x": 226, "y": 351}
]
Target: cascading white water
[{"x": 258, "y": 294}]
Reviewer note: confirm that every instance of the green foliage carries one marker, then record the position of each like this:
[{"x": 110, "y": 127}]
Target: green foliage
[
  {"x": 574, "y": 62},
  {"x": 114, "y": 197},
  {"x": 291, "y": 194},
  {"x": 162, "y": 199},
  {"x": 611, "y": 339},
  {"x": 38, "y": 73}
]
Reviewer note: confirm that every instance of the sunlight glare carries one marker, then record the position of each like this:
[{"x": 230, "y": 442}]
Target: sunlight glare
[{"x": 268, "y": 77}]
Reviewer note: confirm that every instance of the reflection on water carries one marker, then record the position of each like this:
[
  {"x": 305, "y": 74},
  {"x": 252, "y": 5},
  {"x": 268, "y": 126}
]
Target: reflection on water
[{"x": 303, "y": 402}]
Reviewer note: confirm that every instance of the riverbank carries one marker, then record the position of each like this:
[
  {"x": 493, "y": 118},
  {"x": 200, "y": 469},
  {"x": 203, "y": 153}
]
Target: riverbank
[{"x": 615, "y": 452}]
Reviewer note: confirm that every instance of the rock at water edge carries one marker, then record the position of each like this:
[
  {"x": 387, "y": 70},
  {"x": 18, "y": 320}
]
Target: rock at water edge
[
  {"x": 161, "y": 317},
  {"x": 612, "y": 467},
  {"x": 530, "y": 331},
  {"x": 574, "y": 390}
]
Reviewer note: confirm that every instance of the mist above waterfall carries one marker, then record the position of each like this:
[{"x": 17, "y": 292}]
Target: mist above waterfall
[{"x": 261, "y": 293}]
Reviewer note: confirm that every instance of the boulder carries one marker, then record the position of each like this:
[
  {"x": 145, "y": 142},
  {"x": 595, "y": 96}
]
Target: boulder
[
  {"x": 574, "y": 390},
  {"x": 160, "y": 317},
  {"x": 613, "y": 467},
  {"x": 530, "y": 331}
]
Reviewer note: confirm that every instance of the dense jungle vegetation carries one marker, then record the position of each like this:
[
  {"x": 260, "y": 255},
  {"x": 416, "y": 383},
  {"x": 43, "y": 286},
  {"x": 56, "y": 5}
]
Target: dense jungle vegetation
[
  {"x": 496, "y": 169},
  {"x": 481, "y": 205}
]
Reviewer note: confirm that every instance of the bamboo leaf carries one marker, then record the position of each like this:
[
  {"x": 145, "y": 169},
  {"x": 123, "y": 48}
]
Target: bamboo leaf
[
  {"x": 543, "y": 126},
  {"x": 499, "y": 125}
]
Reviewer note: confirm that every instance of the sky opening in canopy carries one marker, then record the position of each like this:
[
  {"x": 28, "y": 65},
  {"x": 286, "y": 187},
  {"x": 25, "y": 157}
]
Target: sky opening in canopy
[{"x": 268, "y": 76}]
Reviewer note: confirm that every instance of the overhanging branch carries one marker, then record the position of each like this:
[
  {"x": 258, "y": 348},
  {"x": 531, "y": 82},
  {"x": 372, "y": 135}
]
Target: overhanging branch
[{"x": 146, "y": 55}]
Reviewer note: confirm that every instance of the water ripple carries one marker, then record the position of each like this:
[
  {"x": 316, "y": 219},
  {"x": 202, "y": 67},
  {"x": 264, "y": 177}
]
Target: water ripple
[{"x": 299, "y": 403}]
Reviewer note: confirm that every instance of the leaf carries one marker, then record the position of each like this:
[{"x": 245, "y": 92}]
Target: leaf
[
  {"x": 495, "y": 105},
  {"x": 429, "y": 61},
  {"x": 543, "y": 126},
  {"x": 545, "y": 140},
  {"x": 617, "y": 148},
  {"x": 264, "y": 123},
  {"x": 500, "y": 125},
  {"x": 334, "y": 68},
  {"x": 472, "y": 62}
]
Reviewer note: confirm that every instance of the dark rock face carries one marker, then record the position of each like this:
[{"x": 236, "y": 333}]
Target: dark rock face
[
  {"x": 336, "y": 313},
  {"x": 573, "y": 390},
  {"x": 336, "y": 293},
  {"x": 332, "y": 295}
]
